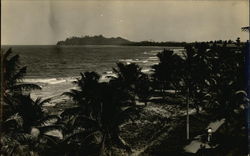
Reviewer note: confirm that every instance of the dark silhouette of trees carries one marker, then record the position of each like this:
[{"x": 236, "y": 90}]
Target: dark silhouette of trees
[
  {"x": 127, "y": 75},
  {"x": 20, "y": 113},
  {"x": 13, "y": 75},
  {"x": 12, "y": 85},
  {"x": 132, "y": 80},
  {"x": 206, "y": 76},
  {"x": 143, "y": 88},
  {"x": 94, "y": 40},
  {"x": 102, "y": 108},
  {"x": 166, "y": 73},
  {"x": 195, "y": 74},
  {"x": 225, "y": 79}
]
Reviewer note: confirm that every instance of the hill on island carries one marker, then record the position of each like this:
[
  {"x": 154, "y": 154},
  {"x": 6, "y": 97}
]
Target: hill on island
[
  {"x": 94, "y": 40},
  {"x": 101, "y": 40}
]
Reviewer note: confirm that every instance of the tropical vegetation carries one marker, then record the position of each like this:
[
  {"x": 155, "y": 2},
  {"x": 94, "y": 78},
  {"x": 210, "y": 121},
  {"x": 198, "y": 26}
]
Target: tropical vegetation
[{"x": 206, "y": 76}]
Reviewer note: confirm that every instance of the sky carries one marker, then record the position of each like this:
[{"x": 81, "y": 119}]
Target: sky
[{"x": 46, "y": 22}]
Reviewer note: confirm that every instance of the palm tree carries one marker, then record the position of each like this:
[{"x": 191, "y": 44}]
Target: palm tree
[
  {"x": 32, "y": 112},
  {"x": 143, "y": 88},
  {"x": 28, "y": 127},
  {"x": 127, "y": 75},
  {"x": 11, "y": 84},
  {"x": 226, "y": 68},
  {"x": 132, "y": 80},
  {"x": 117, "y": 107},
  {"x": 167, "y": 72},
  {"x": 87, "y": 93},
  {"x": 108, "y": 106},
  {"x": 21, "y": 113},
  {"x": 195, "y": 72},
  {"x": 13, "y": 74},
  {"x": 12, "y": 137}
]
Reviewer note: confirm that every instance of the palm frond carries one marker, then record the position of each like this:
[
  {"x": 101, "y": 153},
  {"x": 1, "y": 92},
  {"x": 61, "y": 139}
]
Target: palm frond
[
  {"x": 26, "y": 86},
  {"x": 71, "y": 111},
  {"x": 40, "y": 102},
  {"x": 11, "y": 65},
  {"x": 49, "y": 120},
  {"x": 121, "y": 143},
  {"x": 19, "y": 75},
  {"x": 90, "y": 134},
  {"x": 73, "y": 134},
  {"x": 86, "y": 134},
  {"x": 72, "y": 93},
  {"x": 51, "y": 140},
  {"x": 7, "y": 54},
  {"x": 241, "y": 92},
  {"x": 85, "y": 121},
  {"x": 11, "y": 146},
  {"x": 24, "y": 138},
  {"x": 16, "y": 118},
  {"x": 128, "y": 114},
  {"x": 44, "y": 129}
]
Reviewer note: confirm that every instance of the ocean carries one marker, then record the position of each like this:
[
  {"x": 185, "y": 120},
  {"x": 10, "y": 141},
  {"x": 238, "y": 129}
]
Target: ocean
[{"x": 54, "y": 68}]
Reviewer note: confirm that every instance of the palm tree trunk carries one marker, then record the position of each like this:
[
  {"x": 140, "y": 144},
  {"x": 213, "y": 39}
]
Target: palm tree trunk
[
  {"x": 102, "y": 149},
  {"x": 123, "y": 144},
  {"x": 187, "y": 101},
  {"x": 2, "y": 87}
]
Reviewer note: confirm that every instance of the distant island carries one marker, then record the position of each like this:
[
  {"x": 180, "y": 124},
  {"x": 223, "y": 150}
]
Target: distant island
[
  {"x": 101, "y": 40},
  {"x": 94, "y": 40}
]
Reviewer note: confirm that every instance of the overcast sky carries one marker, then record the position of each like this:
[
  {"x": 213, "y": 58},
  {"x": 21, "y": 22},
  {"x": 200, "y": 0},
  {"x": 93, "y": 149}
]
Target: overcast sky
[{"x": 46, "y": 22}]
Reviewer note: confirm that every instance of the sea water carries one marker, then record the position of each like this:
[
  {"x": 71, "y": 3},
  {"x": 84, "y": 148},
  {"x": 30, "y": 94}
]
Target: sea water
[{"x": 54, "y": 68}]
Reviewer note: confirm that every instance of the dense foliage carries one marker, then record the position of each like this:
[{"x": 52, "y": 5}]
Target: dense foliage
[{"x": 209, "y": 75}]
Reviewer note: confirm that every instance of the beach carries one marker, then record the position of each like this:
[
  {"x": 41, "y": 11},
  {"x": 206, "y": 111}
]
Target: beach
[{"x": 54, "y": 68}]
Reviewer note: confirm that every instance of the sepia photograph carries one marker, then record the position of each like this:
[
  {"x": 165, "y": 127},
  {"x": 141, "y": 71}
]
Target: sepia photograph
[{"x": 125, "y": 78}]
